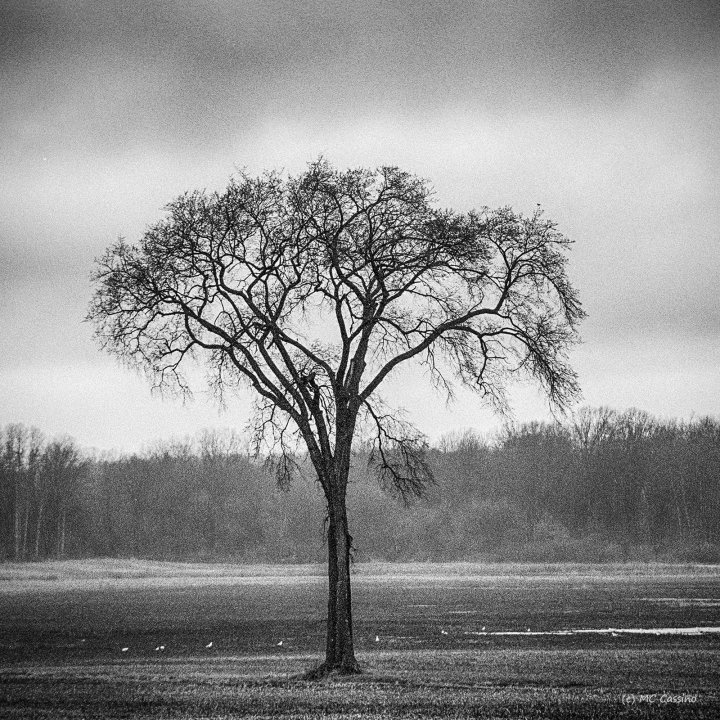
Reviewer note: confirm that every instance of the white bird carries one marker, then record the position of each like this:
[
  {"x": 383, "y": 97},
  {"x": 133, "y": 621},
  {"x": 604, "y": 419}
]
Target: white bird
[
  {"x": 443, "y": 632},
  {"x": 209, "y": 645},
  {"x": 280, "y": 643},
  {"x": 528, "y": 629},
  {"x": 125, "y": 649},
  {"x": 377, "y": 638},
  {"x": 157, "y": 648},
  {"x": 483, "y": 627}
]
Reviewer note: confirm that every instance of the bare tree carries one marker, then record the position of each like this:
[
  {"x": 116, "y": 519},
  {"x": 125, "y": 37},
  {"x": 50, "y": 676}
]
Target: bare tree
[
  {"x": 313, "y": 289},
  {"x": 20, "y": 470},
  {"x": 61, "y": 469}
]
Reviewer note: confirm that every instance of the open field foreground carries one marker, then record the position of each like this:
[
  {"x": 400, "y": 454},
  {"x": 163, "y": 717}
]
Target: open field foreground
[{"x": 106, "y": 639}]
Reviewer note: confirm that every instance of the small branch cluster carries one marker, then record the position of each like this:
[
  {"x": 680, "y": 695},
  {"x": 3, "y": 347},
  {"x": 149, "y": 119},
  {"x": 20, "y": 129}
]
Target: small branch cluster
[{"x": 398, "y": 453}]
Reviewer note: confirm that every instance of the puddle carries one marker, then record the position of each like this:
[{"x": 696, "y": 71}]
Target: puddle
[
  {"x": 704, "y": 630},
  {"x": 683, "y": 602}
]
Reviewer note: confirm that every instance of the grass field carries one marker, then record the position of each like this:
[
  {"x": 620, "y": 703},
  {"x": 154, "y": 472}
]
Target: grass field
[{"x": 101, "y": 639}]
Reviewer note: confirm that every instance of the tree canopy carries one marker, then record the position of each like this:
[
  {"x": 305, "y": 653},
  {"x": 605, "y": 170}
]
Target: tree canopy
[{"x": 313, "y": 289}]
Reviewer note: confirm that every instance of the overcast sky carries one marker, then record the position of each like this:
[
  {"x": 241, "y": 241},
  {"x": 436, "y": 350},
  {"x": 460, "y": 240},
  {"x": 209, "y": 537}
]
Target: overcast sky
[{"x": 605, "y": 113}]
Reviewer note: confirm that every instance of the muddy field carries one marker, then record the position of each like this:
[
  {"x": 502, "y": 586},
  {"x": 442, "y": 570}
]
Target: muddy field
[{"x": 133, "y": 639}]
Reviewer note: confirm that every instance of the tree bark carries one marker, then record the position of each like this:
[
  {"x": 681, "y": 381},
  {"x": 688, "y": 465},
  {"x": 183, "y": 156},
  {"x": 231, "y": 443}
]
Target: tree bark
[
  {"x": 17, "y": 533},
  {"x": 330, "y": 646},
  {"x": 26, "y": 529},
  {"x": 38, "y": 529},
  {"x": 61, "y": 538},
  {"x": 339, "y": 648},
  {"x": 344, "y": 659}
]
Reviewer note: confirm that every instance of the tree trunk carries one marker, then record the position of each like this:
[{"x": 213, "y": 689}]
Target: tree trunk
[
  {"x": 332, "y": 593},
  {"x": 339, "y": 649},
  {"x": 334, "y": 473},
  {"x": 344, "y": 651},
  {"x": 61, "y": 534},
  {"x": 26, "y": 529},
  {"x": 17, "y": 533},
  {"x": 38, "y": 529}
]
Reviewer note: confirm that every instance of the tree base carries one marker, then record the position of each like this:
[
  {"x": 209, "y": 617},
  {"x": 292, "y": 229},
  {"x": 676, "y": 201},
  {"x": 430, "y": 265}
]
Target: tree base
[{"x": 326, "y": 670}]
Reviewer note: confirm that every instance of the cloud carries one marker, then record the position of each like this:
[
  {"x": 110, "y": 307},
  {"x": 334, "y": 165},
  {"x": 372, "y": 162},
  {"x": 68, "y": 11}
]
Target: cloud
[{"x": 112, "y": 75}]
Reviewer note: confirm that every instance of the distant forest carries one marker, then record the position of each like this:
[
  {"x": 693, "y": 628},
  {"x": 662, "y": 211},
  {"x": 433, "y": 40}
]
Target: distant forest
[{"x": 602, "y": 486}]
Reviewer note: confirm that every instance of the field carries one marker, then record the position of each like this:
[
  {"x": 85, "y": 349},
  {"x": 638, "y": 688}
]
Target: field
[{"x": 102, "y": 639}]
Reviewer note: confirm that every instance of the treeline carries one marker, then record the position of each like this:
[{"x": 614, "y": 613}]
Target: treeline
[{"x": 603, "y": 486}]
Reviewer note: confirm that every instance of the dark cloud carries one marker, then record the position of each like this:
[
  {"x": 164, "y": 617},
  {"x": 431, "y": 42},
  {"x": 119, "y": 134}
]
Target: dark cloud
[{"x": 117, "y": 75}]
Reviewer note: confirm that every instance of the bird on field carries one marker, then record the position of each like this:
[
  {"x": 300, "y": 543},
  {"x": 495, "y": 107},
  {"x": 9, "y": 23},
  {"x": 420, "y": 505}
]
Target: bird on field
[
  {"x": 377, "y": 638},
  {"x": 280, "y": 643},
  {"x": 124, "y": 649},
  {"x": 443, "y": 632},
  {"x": 209, "y": 645},
  {"x": 483, "y": 627}
]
